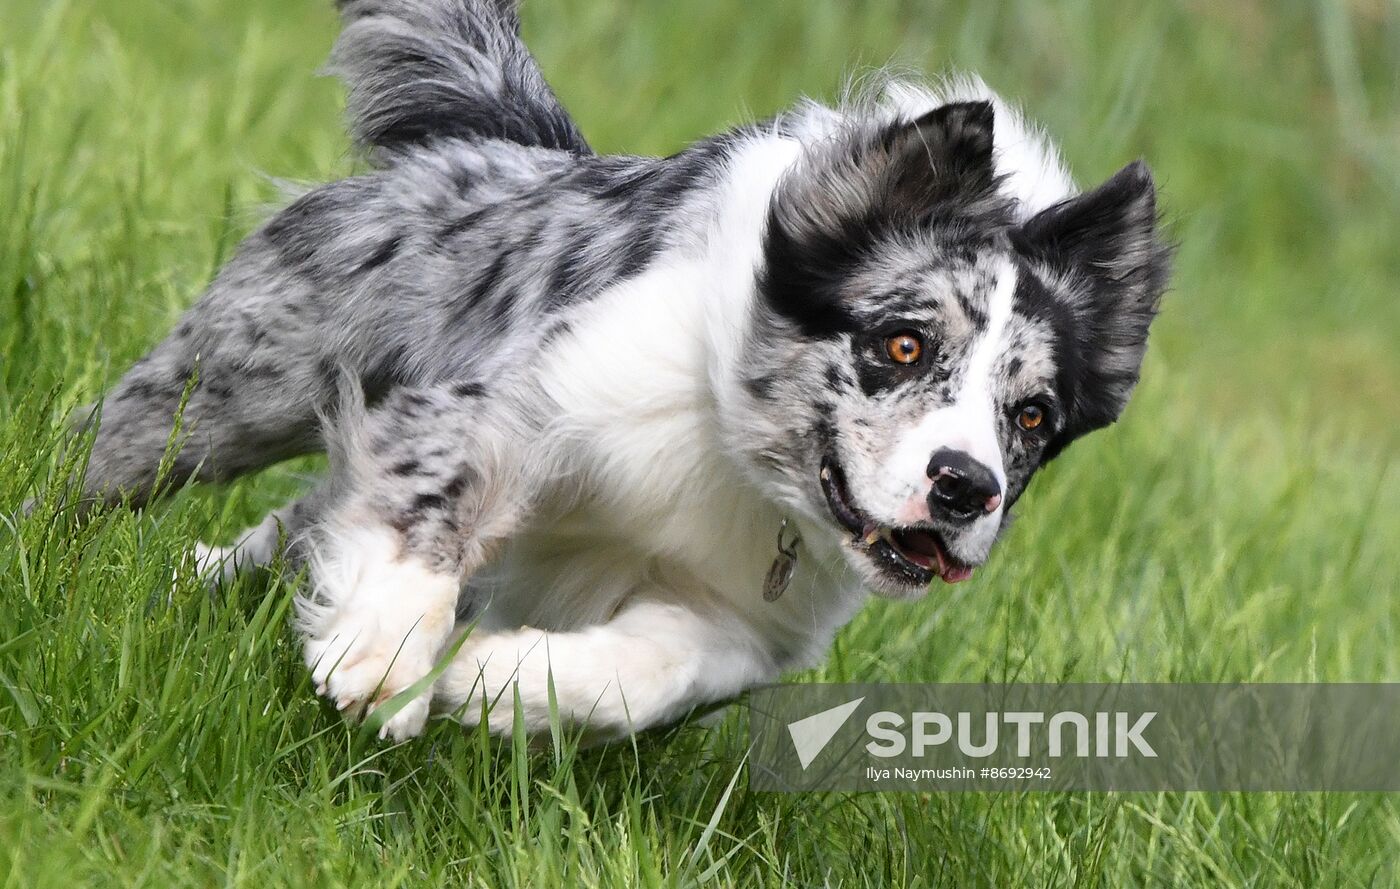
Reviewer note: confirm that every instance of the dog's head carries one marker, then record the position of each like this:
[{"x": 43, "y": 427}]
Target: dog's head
[{"x": 918, "y": 351}]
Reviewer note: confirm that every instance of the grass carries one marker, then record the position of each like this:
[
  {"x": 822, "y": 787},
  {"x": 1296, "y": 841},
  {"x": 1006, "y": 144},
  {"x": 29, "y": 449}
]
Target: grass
[{"x": 1239, "y": 524}]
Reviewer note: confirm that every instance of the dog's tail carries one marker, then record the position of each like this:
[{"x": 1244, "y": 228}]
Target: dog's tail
[{"x": 423, "y": 70}]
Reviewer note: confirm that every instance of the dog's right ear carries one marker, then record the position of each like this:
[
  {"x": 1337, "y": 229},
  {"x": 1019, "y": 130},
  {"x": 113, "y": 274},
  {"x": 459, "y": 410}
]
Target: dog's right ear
[
  {"x": 940, "y": 160},
  {"x": 849, "y": 192},
  {"x": 907, "y": 173}
]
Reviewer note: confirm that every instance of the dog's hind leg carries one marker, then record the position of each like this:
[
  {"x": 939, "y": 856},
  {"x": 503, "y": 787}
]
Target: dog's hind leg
[
  {"x": 256, "y": 547},
  {"x": 281, "y": 531},
  {"x": 312, "y": 293},
  {"x": 246, "y": 361}
]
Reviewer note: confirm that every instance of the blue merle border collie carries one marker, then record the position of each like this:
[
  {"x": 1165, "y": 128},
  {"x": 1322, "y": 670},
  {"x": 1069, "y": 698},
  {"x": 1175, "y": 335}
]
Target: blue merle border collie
[{"x": 652, "y": 428}]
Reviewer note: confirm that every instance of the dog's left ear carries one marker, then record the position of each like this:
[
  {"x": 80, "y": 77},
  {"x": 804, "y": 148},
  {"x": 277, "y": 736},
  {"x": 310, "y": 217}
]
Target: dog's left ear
[{"x": 1112, "y": 264}]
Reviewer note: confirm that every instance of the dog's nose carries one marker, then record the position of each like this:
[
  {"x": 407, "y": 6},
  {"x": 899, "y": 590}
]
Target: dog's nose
[{"x": 963, "y": 489}]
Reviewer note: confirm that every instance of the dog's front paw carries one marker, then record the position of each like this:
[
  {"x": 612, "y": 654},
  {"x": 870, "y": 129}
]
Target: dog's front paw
[
  {"x": 375, "y": 623},
  {"x": 359, "y": 668}
]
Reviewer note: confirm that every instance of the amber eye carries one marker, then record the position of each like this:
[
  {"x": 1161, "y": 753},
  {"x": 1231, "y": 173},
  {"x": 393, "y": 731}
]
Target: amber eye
[
  {"x": 904, "y": 348},
  {"x": 1030, "y": 417}
]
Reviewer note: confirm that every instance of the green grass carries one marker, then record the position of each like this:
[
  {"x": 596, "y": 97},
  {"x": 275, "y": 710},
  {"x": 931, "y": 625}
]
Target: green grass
[{"x": 1239, "y": 524}]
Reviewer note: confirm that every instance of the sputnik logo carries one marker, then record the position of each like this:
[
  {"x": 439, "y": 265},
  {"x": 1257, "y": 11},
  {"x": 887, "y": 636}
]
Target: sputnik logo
[{"x": 811, "y": 735}]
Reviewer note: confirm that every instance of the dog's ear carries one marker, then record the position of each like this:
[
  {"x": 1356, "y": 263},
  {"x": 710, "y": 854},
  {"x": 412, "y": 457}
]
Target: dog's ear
[
  {"x": 906, "y": 172},
  {"x": 939, "y": 160},
  {"x": 1109, "y": 261},
  {"x": 848, "y": 192}
]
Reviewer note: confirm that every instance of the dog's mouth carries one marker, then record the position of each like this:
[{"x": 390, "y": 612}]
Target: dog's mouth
[{"x": 908, "y": 554}]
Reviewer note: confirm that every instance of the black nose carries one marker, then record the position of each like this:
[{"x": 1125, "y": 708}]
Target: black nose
[{"x": 963, "y": 489}]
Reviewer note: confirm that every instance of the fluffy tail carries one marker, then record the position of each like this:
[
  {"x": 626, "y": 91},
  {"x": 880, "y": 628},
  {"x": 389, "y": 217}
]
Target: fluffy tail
[{"x": 422, "y": 70}]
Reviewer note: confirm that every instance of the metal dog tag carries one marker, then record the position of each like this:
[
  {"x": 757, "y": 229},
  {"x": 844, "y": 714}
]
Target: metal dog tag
[{"x": 783, "y": 567}]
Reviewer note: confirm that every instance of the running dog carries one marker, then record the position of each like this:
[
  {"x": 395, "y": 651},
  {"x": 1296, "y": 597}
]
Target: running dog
[{"x": 652, "y": 427}]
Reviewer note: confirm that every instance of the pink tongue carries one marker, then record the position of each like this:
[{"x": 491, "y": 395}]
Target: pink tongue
[
  {"x": 955, "y": 573},
  {"x": 921, "y": 547}
]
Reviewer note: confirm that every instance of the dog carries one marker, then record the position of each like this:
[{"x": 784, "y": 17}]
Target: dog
[{"x": 618, "y": 437}]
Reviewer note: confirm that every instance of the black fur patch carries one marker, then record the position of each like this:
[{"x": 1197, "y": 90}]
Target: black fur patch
[
  {"x": 381, "y": 255},
  {"x": 761, "y": 387},
  {"x": 462, "y": 223},
  {"x": 462, "y": 311},
  {"x": 837, "y": 378}
]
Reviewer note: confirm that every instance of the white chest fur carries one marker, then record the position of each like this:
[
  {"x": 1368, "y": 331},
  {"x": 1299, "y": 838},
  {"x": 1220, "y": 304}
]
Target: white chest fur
[{"x": 649, "y": 496}]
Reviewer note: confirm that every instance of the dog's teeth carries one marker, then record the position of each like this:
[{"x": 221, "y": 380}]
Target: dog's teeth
[{"x": 872, "y": 534}]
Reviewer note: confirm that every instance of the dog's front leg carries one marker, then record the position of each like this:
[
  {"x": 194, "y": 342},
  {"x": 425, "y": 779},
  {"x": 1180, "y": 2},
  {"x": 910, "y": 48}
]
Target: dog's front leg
[
  {"x": 651, "y": 664},
  {"x": 422, "y": 489}
]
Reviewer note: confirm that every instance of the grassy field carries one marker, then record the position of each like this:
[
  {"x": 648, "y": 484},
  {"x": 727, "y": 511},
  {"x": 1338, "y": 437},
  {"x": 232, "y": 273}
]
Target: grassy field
[{"x": 1240, "y": 523}]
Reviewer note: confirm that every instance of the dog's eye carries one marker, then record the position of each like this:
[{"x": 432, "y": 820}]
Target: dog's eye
[
  {"x": 904, "y": 348},
  {"x": 1030, "y": 417}
]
